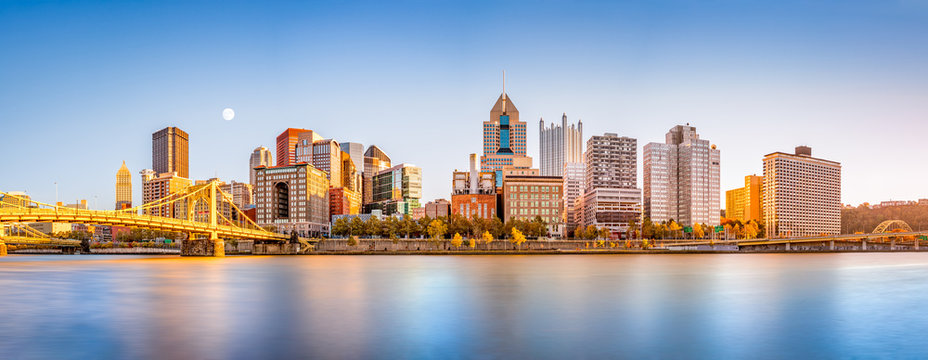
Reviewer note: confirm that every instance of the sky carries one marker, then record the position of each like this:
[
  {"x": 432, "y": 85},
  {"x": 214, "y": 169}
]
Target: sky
[{"x": 84, "y": 84}]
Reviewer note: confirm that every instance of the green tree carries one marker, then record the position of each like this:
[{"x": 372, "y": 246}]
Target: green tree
[
  {"x": 341, "y": 227},
  {"x": 496, "y": 227},
  {"x": 357, "y": 226},
  {"x": 590, "y": 233},
  {"x": 373, "y": 227}
]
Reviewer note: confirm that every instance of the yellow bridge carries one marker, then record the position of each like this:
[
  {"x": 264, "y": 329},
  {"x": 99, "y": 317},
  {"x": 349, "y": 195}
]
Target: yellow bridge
[{"x": 210, "y": 214}]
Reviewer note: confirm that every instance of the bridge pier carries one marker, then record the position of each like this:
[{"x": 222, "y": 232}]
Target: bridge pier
[{"x": 219, "y": 246}]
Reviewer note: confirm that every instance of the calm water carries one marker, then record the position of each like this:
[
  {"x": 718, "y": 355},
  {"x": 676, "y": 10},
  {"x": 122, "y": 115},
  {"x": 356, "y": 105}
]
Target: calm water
[{"x": 561, "y": 307}]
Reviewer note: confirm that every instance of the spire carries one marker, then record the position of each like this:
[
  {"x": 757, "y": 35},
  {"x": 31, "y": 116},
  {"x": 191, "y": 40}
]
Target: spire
[{"x": 504, "y": 91}]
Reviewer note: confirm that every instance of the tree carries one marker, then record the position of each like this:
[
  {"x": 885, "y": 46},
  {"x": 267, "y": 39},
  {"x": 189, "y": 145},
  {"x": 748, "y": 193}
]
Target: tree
[
  {"x": 408, "y": 226},
  {"x": 645, "y": 244},
  {"x": 632, "y": 229},
  {"x": 604, "y": 233},
  {"x": 647, "y": 228},
  {"x": 353, "y": 241},
  {"x": 357, "y": 226},
  {"x": 437, "y": 229},
  {"x": 674, "y": 227},
  {"x": 341, "y": 227},
  {"x": 578, "y": 233},
  {"x": 373, "y": 227},
  {"x": 590, "y": 233},
  {"x": 496, "y": 227},
  {"x": 472, "y": 243},
  {"x": 698, "y": 232},
  {"x": 517, "y": 237},
  {"x": 487, "y": 238},
  {"x": 457, "y": 241}
]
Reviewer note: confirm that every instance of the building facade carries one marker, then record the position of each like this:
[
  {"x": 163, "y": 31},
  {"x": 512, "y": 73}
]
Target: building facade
[
  {"x": 746, "y": 203},
  {"x": 356, "y": 153},
  {"x": 287, "y": 144},
  {"x": 527, "y": 197},
  {"x": 397, "y": 190},
  {"x": 574, "y": 188},
  {"x": 294, "y": 199},
  {"x": 169, "y": 151},
  {"x": 611, "y": 196},
  {"x": 558, "y": 145},
  {"x": 473, "y": 193},
  {"x": 160, "y": 186},
  {"x": 504, "y": 140},
  {"x": 375, "y": 161},
  {"x": 344, "y": 201},
  {"x": 123, "y": 188},
  {"x": 438, "y": 208},
  {"x": 681, "y": 179},
  {"x": 260, "y": 157},
  {"x": 802, "y": 194},
  {"x": 242, "y": 193}
]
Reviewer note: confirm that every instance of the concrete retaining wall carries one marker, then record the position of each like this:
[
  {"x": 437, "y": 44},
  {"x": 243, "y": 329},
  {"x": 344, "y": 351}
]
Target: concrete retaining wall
[{"x": 387, "y": 245}]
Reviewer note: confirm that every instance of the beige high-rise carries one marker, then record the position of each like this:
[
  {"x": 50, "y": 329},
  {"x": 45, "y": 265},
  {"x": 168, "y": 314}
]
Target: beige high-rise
[
  {"x": 123, "y": 188},
  {"x": 169, "y": 152},
  {"x": 802, "y": 194}
]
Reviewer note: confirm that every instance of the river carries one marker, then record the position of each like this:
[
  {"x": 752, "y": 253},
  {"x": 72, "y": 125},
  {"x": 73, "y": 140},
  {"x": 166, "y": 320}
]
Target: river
[{"x": 711, "y": 306}]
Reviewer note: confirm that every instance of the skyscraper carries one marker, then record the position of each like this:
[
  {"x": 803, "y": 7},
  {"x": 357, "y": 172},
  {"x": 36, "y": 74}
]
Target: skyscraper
[
  {"x": 681, "y": 179},
  {"x": 611, "y": 198},
  {"x": 375, "y": 160},
  {"x": 287, "y": 144},
  {"x": 504, "y": 138},
  {"x": 746, "y": 203},
  {"x": 123, "y": 188},
  {"x": 558, "y": 145},
  {"x": 356, "y": 151},
  {"x": 260, "y": 157},
  {"x": 397, "y": 190},
  {"x": 802, "y": 194},
  {"x": 169, "y": 149}
]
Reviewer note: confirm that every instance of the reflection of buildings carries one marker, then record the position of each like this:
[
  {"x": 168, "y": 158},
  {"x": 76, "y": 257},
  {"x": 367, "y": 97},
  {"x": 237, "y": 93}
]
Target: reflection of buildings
[
  {"x": 474, "y": 193},
  {"x": 293, "y": 198},
  {"x": 681, "y": 179},
  {"x": 397, "y": 190},
  {"x": 123, "y": 188},
  {"x": 802, "y": 194}
]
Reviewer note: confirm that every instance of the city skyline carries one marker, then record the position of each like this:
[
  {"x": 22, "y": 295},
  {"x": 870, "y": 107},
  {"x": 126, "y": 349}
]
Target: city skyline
[{"x": 832, "y": 92}]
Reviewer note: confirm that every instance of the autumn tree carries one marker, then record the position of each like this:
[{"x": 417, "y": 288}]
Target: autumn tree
[
  {"x": 437, "y": 229},
  {"x": 457, "y": 241},
  {"x": 517, "y": 237}
]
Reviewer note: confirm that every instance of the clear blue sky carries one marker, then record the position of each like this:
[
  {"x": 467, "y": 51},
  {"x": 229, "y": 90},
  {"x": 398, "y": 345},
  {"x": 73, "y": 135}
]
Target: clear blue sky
[{"x": 83, "y": 84}]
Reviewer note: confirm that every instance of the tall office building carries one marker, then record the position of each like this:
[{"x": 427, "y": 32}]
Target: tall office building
[
  {"x": 559, "y": 144},
  {"x": 294, "y": 199},
  {"x": 746, "y": 203},
  {"x": 375, "y": 160},
  {"x": 123, "y": 188},
  {"x": 287, "y": 144},
  {"x": 802, "y": 194},
  {"x": 611, "y": 198},
  {"x": 504, "y": 139},
  {"x": 574, "y": 188},
  {"x": 260, "y": 157},
  {"x": 397, "y": 190},
  {"x": 158, "y": 186},
  {"x": 169, "y": 151},
  {"x": 681, "y": 179},
  {"x": 242, "y": 194},
  {"x": 356, "y": 152}
]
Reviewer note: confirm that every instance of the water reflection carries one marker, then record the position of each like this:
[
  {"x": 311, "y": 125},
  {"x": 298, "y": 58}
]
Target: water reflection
[{"x": 704, "y": 306}]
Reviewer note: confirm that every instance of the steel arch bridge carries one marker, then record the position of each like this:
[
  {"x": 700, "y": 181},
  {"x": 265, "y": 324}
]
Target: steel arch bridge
[
  {"x": 210, "y": 213},
  {"x": 892, "y": 226}
]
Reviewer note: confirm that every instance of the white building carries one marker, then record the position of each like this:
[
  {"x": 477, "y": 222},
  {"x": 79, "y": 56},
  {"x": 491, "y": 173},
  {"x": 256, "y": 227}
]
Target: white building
[
  {"x": 681, "y": 179},
  {"x": 559, "y": 144},
  {"x": 802, "y": 194},
  {"x": 611, "y": 198}
]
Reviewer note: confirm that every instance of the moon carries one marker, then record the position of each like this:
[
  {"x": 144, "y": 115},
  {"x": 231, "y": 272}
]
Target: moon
[{"x": 228, "y": 114}]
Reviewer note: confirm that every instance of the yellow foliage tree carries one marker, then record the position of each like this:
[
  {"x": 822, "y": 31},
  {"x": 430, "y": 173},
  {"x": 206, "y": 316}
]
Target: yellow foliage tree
[
  {"x": 457, "y": 241},
  {"x": 698, "y": 231},
  {"x": 487, "y": 238},
  {"x": 517, "y": 237},
  {"x": 472, "y": 243}
]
